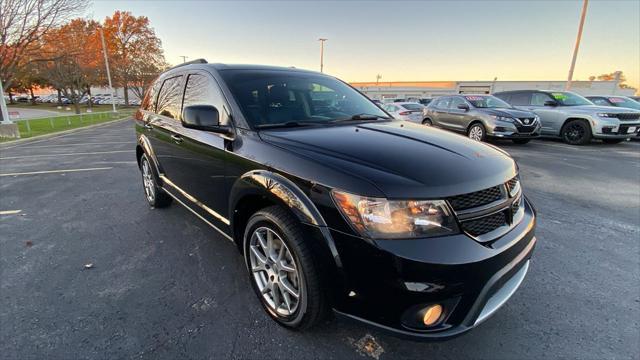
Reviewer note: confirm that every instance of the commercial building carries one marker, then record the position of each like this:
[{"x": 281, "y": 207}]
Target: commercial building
[{"x": 413, "y": 90}]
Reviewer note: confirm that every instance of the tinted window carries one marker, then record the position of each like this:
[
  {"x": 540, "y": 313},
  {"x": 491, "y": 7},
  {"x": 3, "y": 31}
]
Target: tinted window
[
  {"x": 413, "y": 107},
  {"x": 538, "y": 99},
  {"x": 277, "y": 97},
  {"x": 520, "y": 99},
  {"x": 443, "y": 103},
  {"x": 599, "y": 101},
  {"x": 170, "y": 97},
  {"x": 202, "y": 90},
  {"x": 149, "y": 101},
  {"x": 486, "y": 101}
]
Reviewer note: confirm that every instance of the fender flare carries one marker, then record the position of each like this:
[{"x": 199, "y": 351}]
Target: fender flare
[
  {"x": 283, "y": 191},
  {"x": 145, "y": 145}
]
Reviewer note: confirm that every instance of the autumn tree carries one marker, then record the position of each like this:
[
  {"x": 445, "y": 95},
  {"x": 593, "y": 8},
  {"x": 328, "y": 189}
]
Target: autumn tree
[
  {"x": 70, "y": 59},
  {"x": 23, "y": 23},
  {"x": 616, "y": 75},
  {"x": 135, "y": 52}
]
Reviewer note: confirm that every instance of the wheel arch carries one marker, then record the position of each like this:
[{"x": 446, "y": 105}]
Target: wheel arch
[
  {"x": 572, "y": 118},
  {"x": 476, "y": 121},
  {"x": 144, "y": 147}
]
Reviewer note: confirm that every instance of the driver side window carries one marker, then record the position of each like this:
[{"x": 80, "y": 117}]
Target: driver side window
[{"x": 538, "y": 99}]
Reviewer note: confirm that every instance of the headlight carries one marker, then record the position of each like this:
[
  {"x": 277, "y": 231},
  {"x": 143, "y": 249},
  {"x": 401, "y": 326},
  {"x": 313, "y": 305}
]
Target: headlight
[
  {"x": 503, "y": 118},
  {"x": 379, "y": 218},
  {"x": 536, "y": 118},
  {"x": 605, "y": 115}
]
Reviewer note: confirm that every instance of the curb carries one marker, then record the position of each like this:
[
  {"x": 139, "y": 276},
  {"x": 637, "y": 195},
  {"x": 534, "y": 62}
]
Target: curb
[{"x": 64, "y": 132}]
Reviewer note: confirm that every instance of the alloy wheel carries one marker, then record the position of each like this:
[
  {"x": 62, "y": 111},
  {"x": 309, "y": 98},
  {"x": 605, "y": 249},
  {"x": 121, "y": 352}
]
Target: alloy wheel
[
  {"x": 274, "y": 271},
  {"x": 147, "y": 181},
  {"x": 476, "y": 133},
  {"x": 574, "y": 132}
]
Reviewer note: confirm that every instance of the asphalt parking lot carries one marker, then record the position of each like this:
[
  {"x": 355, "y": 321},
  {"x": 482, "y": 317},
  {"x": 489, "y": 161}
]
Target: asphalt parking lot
[{"x": 165, "y": 286}]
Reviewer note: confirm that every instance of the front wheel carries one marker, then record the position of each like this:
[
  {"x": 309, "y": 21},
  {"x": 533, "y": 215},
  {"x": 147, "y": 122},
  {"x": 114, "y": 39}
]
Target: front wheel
[
  {"x": 477, "y": 132},
  {"x": 576, "y": 132},
  {"x": 283, "y": 270},
  {"x": 520, "y": 141},
  {"x": 427, "y": 122},
  {"x": 613, "y": 141}
]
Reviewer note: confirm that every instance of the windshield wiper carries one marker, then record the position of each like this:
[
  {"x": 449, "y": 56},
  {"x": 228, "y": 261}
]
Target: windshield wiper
[
  {"x": 363, "y": 116},
  {"x": 288, "y": 124}
]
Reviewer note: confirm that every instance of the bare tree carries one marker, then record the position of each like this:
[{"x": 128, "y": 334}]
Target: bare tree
[{"x": 22, "y": 25}]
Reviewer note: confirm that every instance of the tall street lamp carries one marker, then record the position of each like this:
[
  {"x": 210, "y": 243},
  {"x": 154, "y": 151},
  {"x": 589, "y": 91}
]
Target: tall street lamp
[
  {"x": 322, "y": 40},
  {"x": 577, "y": 46}
]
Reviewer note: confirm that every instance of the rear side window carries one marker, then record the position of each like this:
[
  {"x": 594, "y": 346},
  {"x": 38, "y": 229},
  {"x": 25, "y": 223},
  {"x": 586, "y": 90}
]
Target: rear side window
[
  {"x": 412, "y": 107},
  {"x": 443, "y": 103},
  {"x": 170, "y": 98},
  {"x": 149, "y": 101},
  {"x": 521, "y": 99},
  {"x": 599, "y": 101}
]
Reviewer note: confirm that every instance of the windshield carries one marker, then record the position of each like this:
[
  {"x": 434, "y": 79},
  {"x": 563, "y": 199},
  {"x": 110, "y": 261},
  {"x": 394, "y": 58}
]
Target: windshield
[
  {"x": 273, "y": 97},
  {"x": 624, "y": 102},
  {"x": 486, "y": 102},
  {"x": 569, "y": 99}
]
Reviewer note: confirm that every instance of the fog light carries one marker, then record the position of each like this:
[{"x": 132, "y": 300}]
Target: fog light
[{"x": 432, "y": 315}]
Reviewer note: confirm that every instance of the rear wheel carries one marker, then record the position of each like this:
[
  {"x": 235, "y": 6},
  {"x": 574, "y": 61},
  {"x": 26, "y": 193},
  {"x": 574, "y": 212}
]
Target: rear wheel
[
  {"x": 521, "y": 141},
  {"x": 477, "y": 132},
  {"x": 156, "y": 197},
  {"x": 576, "y": 132},
  {"x": 282, "y": 269},
  {"x": 613, "y": 141},
  {"x": 427, "y": 122}
]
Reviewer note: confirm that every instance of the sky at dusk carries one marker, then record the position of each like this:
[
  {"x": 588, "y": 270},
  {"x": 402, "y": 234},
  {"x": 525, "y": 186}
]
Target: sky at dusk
[{"x": 401, "y": 40}]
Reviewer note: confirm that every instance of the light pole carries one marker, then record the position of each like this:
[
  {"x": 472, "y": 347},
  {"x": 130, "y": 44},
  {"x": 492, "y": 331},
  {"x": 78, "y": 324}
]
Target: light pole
[
  {"x": 577, "y": 46},
  {"x": 106, "y": 63},
  {"x": 322, "y": 40},
  {"x": 184, "y": 58}
]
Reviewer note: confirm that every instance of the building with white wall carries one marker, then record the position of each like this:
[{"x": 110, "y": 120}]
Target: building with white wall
[{"x": 411, "y": 90}]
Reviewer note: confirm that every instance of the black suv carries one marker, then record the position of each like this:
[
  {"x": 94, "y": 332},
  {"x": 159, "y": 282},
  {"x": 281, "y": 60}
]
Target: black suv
[{"x": 333, "y": 204}]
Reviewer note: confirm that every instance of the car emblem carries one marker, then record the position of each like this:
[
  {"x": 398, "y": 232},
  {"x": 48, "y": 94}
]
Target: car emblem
[{"x": 526, "y": 121}]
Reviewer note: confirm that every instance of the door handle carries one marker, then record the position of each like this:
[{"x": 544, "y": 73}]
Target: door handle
[
  {"x": 148, "y": 126},
  {"x": 176, "y": 138}
]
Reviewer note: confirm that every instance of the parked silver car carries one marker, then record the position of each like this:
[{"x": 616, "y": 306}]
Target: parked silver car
[
  {"x": 482, "y": 116},
  {"x": 613, "y": 100},
  {"x": 408, "y": 111},
  {"x": 575, "y": 119}
]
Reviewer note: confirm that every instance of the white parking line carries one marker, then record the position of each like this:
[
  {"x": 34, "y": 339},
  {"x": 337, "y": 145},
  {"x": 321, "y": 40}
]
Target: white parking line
[
  {"x": 55, "y": 171},
  {"x": 68, "y": 154},
  {"x": 99, "y": 143},
  {"x": 10, "y": 212}
]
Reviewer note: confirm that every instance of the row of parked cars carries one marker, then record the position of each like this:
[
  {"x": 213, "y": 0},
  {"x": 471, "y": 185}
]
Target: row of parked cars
[
  {"x": 523, "y": 115},
  {"x": 95, "y": 99}
]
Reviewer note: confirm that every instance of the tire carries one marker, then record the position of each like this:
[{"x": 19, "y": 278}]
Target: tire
[
  {"x": 576, "y": 132},
  {"x": 520, "y": 141},
  {"x": 310, "y": 307},
  {"x": 613, "y": 141},
  {"x": 477, "y": 132},
  {"x": 156, "y": 197},
  {"x": 427, "y": 122}
]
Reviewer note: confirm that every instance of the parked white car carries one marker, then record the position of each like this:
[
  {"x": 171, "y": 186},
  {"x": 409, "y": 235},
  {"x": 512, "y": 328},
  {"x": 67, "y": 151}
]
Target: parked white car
[{"x": 409, "y": 111}]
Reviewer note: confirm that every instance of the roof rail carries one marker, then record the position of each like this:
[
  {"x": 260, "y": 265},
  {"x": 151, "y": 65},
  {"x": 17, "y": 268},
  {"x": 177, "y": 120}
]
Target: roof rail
[{"x": 196, "y": 61}]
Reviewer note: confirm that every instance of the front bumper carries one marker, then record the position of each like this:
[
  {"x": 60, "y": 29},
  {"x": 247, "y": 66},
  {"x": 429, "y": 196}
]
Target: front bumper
[
  {"x": 507, "y": 130},
  {"x": 388, "y": 279},
  {"x": 617, "y": 131}
]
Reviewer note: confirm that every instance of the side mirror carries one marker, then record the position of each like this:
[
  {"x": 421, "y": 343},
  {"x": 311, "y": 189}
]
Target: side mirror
[
  {"x": 203, "y": 117},
  {"x": 464, "y": 107},
  {"x": 550, "y": 103}
]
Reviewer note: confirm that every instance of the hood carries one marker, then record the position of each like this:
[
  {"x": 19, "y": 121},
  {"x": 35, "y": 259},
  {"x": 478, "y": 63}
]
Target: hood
[
  {"x": 508, "y": 112},
  {"x": 402, "y": 159}
]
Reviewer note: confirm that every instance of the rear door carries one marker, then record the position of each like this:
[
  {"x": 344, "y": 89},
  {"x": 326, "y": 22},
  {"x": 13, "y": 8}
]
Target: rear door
[{"x": 440, "y": 112}]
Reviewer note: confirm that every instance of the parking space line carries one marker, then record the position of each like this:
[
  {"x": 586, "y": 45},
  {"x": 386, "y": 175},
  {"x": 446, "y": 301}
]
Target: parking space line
[
  {"x": 55, "y": 171},
  {"x": 10, "y": 212},
  {"x": 67, "y": 154},
  {"x": 102, "y": 143}
]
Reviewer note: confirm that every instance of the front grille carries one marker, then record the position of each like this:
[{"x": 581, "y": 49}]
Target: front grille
[
  {"x": 475, "y": 199},
  {"x": 627, "y": 116},
  {"x": 523, "y": 120},
  {"x": 525, "y": 129},
  {"x": 484, "y": 225}
]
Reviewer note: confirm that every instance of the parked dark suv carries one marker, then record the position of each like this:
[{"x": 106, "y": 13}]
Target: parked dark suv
[
  {"x": 335, "y": 205},
  {"x": 481, "y": 117}
]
